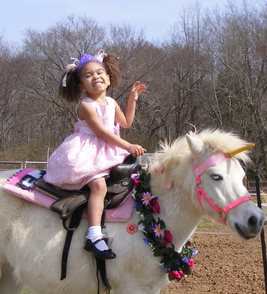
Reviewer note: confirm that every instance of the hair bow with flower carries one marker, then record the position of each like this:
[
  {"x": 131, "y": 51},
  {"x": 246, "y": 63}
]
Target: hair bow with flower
[
  {"x": 69, "y": 67},
  {"x": 176, "y": 264}
]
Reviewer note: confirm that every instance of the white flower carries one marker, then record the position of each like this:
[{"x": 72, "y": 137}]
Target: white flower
[
  {"x": 141, "y": 227},
  {"x": 133, "y": 193}
]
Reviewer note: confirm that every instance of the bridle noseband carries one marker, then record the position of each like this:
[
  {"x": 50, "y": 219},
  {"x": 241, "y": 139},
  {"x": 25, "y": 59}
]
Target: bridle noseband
[{"x": 199, "y": 170}]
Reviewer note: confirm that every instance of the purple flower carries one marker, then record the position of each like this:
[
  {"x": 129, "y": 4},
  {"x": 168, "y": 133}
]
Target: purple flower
[
  {"x": 157, "y": 231},
  {"x": 137, "y": 205},
  {"x": 147, "y": 241},
  {"x": 147, "y": 197}
]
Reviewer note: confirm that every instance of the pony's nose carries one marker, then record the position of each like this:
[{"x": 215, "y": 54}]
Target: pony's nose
[{"x": 254, "y": 221}]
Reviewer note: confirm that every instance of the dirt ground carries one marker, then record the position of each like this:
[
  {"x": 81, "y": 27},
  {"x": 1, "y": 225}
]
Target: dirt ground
[{"x": 224, "y": 264}]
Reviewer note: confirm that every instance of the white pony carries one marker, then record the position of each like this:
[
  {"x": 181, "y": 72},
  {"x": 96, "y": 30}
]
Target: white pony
[{"x": 31, "y": 237}]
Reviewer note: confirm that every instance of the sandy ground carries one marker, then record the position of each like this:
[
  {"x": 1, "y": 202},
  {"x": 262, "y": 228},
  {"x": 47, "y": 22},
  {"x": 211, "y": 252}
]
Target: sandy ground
[{"x": 224, "y": 264}]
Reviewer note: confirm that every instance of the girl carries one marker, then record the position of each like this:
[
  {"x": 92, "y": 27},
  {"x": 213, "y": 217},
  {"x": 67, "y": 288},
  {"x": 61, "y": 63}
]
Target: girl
[{"x": 87, "y": 156}]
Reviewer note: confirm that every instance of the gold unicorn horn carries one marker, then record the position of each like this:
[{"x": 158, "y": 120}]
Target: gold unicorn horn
[{"x": 238, "y": 150}]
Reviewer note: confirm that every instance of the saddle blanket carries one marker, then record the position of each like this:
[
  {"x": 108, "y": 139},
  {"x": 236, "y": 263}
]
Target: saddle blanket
[{"x": 21, "y": 184}]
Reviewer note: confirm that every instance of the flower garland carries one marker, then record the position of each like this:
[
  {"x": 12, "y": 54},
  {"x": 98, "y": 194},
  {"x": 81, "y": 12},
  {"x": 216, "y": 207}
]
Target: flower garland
[{"x": 177, "y": 265}]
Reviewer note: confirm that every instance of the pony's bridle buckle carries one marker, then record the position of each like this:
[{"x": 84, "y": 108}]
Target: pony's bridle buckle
[{"x": 222, "y": 216}]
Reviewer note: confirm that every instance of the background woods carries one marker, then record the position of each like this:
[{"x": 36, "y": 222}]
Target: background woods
[{"x": 210, "y": 71}]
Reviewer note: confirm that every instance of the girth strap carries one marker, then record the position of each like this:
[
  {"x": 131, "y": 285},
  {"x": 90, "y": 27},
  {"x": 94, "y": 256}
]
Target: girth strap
[
  {"x": 74, "y": 223},
  {"x": 101, "y": 268},
  {"x": 101, "y": 263}
]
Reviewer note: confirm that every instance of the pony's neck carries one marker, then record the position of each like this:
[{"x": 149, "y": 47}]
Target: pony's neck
[
  {"x": 181, "y": 218},
  {"x": 173, "y": 183}
]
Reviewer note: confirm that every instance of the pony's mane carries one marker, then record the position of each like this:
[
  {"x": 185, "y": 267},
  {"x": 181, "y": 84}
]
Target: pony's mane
[{"x": 214, "y": 140}]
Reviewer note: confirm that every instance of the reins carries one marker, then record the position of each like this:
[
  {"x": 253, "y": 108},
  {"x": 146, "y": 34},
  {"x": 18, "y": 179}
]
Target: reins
[{"x": 199, "y": 170}]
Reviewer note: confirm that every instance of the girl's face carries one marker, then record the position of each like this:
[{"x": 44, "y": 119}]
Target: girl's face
[{"x": 94, "y": 79}]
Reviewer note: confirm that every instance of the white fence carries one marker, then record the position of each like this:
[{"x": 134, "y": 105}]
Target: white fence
[
  {"x": 143, "y": 160},
  {"x": 19, "y": 164}
]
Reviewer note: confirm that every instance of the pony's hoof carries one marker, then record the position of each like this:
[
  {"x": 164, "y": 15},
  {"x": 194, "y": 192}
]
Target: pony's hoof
[{"x": 105, "y": 254}]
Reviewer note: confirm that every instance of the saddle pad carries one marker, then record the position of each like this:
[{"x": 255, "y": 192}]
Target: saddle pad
[{"x": 21, "y": 185}]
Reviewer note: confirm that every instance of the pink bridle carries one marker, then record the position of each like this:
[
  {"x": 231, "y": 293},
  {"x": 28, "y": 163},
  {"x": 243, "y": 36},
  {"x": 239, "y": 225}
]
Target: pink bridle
[{"x": 199, "y": 170}]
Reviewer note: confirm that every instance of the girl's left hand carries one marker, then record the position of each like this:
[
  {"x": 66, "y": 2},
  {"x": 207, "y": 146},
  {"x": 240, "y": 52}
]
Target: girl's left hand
[{"x": 137, "y": 89}]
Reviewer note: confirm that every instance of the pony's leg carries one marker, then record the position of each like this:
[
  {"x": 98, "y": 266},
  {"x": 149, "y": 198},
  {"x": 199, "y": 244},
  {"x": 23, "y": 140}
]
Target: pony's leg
[{"x": 7, "y": 283}]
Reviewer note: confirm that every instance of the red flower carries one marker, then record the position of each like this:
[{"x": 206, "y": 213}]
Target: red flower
[
  {"x": 191, "y": 263},
  {"x": 155, "y": 206},
  {"x": 168, "y": 236},
  {"x": 136, "y": 182},
  {"x": 176, "y": 275},
  {"x": 189, "y": 244}
]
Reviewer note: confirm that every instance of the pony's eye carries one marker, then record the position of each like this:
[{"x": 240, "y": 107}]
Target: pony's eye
[{"x": 216, "y": 177}]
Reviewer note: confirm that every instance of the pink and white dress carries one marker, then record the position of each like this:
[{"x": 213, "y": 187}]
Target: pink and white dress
[{"x": 83, "y": 156}]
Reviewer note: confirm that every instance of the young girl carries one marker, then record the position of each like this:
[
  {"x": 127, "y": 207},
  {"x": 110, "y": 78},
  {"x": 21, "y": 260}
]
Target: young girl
[{"x": 87, "y": 156}]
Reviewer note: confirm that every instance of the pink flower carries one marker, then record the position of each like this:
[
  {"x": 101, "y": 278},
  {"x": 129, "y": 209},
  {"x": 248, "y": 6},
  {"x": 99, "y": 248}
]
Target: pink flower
[
  {"x": 191, "y": 263},
  {"x": 176, "y": 275},
  {"x": 169, "y": 185},
  {"x": 155, "y": 206},
  {"x": 168, "y": 236},
  {"x": 147, "y": 197},
  {"x": 156, "y": 171},
  {"x": 157, "y": 231}
]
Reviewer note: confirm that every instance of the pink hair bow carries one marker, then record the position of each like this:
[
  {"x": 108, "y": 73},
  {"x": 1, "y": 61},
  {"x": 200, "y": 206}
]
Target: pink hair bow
[{"x": 70, "y": 66}]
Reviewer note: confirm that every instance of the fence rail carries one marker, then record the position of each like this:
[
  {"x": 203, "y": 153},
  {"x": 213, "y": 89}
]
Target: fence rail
[
  {"x": 144, "y": 160},
  {"x": 4, "y": 165},
  {"x": 251, "y": 186}
]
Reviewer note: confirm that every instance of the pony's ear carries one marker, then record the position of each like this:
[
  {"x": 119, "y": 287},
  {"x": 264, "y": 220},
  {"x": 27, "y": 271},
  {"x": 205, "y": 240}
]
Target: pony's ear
[{"x": 195, "y": 144}]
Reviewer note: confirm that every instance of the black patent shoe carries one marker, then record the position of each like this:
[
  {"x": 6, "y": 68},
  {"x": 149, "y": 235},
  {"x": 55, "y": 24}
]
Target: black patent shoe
[{"x": 105, "y": 254}]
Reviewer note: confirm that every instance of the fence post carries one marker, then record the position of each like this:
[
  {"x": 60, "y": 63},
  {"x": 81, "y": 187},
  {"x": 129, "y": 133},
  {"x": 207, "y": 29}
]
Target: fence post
[{"x": 263, "y": 245}]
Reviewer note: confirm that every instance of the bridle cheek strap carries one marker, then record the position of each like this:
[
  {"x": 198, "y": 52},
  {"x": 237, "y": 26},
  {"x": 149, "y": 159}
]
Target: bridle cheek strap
[{"x": 211, "y": 161}]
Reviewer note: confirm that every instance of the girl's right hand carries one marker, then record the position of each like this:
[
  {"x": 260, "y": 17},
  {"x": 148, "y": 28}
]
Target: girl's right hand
[
  {"x": 136, "y": 150},
  {"x": 136, "y": 90}
]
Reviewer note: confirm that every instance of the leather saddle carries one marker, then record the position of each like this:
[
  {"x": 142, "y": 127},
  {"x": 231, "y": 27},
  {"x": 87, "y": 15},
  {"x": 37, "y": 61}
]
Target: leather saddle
[
  {"x": 71, "y": 204},
  {"x": 119, "y": 186}
]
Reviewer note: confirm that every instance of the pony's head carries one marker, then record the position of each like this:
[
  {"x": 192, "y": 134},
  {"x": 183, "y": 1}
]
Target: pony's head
[{"x": 222, "y": 181}]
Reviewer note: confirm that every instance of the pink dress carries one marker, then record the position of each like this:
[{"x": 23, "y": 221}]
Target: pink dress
[{"x": 83, "y": 156}]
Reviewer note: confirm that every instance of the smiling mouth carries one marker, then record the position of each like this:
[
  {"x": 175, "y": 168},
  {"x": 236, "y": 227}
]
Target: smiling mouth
[{"x": 98, "y": 83}]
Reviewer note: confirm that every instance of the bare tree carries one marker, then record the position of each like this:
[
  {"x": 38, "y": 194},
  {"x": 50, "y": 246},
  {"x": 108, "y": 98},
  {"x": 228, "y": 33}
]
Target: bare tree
[
  {"x": 209, "y": 72},
  {"x": 49, "y": 53},
  {"x": 238, "y": 46}
]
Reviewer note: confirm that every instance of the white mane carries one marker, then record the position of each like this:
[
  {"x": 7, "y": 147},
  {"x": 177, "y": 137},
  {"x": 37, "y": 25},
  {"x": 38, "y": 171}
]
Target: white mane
[{"x": 215, "y": 140}]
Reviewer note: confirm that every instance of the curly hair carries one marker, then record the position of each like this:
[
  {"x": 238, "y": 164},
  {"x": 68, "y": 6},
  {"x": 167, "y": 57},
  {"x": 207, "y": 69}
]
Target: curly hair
[{"x": 72, "y": 90}]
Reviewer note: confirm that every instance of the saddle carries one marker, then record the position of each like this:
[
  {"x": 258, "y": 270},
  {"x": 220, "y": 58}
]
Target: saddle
[
  {"x": 70, "y": 204},
  {"x": 119, "y": 186}
]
